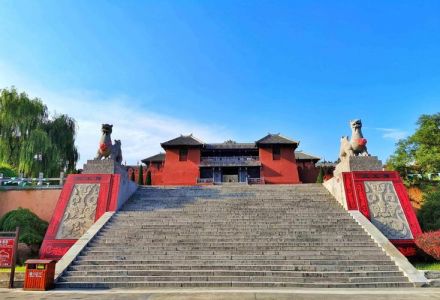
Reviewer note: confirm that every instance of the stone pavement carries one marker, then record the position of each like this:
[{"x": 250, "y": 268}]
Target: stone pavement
[{"x": 232, "y": 294}]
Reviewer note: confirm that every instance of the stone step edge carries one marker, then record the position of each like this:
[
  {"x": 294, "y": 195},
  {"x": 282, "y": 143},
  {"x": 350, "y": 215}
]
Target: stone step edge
[{"x": 231, "y": 284}]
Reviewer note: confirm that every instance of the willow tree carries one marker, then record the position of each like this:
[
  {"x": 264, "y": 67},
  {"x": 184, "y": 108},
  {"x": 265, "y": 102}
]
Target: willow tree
[
  {"x": 18, "y": 117},
  {"x": 30, "y": 141},
  {"x": 61, "y": 131}
]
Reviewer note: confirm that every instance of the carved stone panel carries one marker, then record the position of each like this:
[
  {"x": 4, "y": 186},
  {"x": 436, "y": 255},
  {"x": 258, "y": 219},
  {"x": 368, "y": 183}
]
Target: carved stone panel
[
  {"x": 80, "y": 211},
  {"x": 385, "y": 210}
]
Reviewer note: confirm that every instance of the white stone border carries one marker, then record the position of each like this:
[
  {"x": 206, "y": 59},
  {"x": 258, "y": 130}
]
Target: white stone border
[
  {"x": 415, "y": 276},
  {"x": 80, "y": 244}
]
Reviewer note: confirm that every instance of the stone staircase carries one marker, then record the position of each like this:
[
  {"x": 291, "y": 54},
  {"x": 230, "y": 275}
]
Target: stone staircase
[{"x": 232, "y": 236}]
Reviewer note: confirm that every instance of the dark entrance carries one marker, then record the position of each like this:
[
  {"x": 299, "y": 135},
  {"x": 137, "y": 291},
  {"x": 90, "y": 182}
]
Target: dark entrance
[{"x": 230, "y": 174}]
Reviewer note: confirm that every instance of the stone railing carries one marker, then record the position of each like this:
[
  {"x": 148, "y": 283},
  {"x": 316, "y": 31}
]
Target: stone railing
[
  {"x": 229, "y": 159},
  {"x": 205, "y": 180},
  {"x": 21, "y": 181},
  {"x": 249, "y": 180},
  {"x": 256, "y": 180}
]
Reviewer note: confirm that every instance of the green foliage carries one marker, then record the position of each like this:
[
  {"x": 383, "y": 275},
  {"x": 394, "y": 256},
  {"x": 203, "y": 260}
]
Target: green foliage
[
  {"x": 419, "y": 152},
  {"x": 429, "y": 213},
  {"x": 141, "y": 175},
  {"x": 320, "y": 178},
  {"x": 433, "y": 266},
  {"x": 148, "y": 180},
  {"x": 7, "y": 170},
  {"x": 31, "y": 142},
  {"x": 32, "y": 228}
]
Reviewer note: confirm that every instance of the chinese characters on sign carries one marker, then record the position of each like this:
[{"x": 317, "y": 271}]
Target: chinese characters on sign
[{"x": 6, "y": 251}]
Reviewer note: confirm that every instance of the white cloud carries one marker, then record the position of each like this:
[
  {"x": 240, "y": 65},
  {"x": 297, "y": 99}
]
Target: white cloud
[
  {"x": 392, "y": 133},
  {"x": 140, "y": 131}
]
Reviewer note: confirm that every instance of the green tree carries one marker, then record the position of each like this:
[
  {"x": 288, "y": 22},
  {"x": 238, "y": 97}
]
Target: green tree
[
  {"x": 7, "y": 170},
  {"x": 141, "y": 176},
  {"x": 320, "y": 178},
  {"x": 30, "y": 141},
  {"x": 419, "y": 152},
  {"x": 65, "y": 142},
  {"x": 429, "y": 213},
  {"x": 148, "y": 180},
  {"x": 32, "y": 228}
]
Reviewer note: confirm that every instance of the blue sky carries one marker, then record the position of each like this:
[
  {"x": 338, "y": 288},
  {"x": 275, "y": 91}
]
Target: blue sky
[{"x": 227, "y": 69}]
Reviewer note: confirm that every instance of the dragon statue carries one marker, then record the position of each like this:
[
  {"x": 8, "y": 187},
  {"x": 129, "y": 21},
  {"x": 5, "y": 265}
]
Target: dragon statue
[
  {"x": 357, "y": 145},
  {"x": 106, "y": 148}
]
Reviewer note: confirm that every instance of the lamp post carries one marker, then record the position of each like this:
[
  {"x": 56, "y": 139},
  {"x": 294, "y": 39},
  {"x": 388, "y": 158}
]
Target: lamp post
[{"x": 39, "y": 158}]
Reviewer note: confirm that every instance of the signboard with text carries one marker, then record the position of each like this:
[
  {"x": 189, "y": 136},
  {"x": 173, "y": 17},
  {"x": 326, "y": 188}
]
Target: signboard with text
[{"x": 6, "y": 251}]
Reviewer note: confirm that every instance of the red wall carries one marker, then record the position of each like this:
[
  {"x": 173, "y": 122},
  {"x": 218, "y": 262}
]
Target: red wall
[
  {"x": 41, "y": 202},
  {"x": 177, "y": 172},
  {"x": 283, "y": 170},
  {"x": 156, "y": 174},
  {"x": 308, "y": 173}
]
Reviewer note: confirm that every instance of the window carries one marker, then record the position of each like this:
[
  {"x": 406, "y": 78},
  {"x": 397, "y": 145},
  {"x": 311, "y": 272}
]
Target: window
[
  {"x": 183, "y": 154},
  {"x": 276, "y": 152}
]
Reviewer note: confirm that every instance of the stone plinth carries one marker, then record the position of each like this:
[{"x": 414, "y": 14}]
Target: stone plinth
[
  {"x": 358, "y": 163},
  {"x": 352, "y": 163},
  {"x": 105, "y": 166}
]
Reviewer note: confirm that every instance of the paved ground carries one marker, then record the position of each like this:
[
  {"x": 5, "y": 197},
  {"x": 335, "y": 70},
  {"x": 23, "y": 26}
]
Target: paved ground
[{"x": 233, "y": 294}]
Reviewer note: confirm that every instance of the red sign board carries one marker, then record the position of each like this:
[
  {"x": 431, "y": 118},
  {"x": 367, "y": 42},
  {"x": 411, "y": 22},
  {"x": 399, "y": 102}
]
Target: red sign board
[{"x": 6, "y": 251}]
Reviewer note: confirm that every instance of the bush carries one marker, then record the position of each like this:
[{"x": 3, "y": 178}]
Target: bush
[
  {"x": 429, "y": 213},
  {"x": 7, "y": 170},
  {"x": 320, "y": 178},
  {"x": 148, "y": 180},
  {"x": 32, "y": 228},
  {"x": 429, "y": 242},
  {"x": 141, "y": 175}
]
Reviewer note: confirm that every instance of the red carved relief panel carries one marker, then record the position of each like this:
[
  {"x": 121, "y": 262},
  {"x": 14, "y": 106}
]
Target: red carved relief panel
[
  {"x": 356, "y": 196},
  {"x": 55, "y": 248}
]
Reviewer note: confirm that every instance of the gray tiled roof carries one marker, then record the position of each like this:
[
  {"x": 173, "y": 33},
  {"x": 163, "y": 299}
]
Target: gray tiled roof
[
  {"x": 155, "y": 158},
  {"x": 183, "y": 140},
  {"x": 230, "y": 145},
  {"x": 276, "y": 139},
  {"x": 299, "y": 155},
  {"x": 326, "y": 164}
]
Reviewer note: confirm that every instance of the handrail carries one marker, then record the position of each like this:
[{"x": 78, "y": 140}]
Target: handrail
[
  {"x": 205, "y": 180},
  {"x": 256, "y": 180},
  {"x": 22, "y": 181},
  {"x": 249, "y": 180},
  {"x": 228, "y": 158}
]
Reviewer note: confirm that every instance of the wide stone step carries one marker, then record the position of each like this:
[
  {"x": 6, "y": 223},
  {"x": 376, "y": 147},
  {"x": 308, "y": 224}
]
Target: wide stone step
[
  {"x": 191, "y": 284},
  {"x": 242, "y": 273},
  {"x": 225, "y": 266},
  {"x": 185, "y": 246},
  {"x": 210, "y": 238},
  {"x": 296, "y": 225},
  {"x": 228, "y": 250},
  {"x": 239, "y": 262},
  {"x": 300, "y": 279},
  {"x": 238, "y": 256}
]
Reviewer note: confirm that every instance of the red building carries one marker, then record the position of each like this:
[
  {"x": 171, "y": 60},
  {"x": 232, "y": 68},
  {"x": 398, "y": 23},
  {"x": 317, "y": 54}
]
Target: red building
[{"x": 270, "y": 160}]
